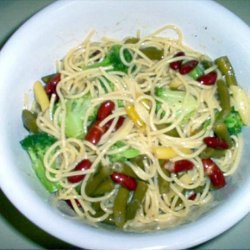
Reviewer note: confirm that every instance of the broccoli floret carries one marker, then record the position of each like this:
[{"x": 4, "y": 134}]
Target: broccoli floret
[
  {"x": 36, "y": 146},
  {"x": 234, "y": 122},
  {"x": 75, "y": 111},
  {"x": 175, "y": 99},
  {"x": 113, "y": 59},
  {"x": 128, "y": 153}
]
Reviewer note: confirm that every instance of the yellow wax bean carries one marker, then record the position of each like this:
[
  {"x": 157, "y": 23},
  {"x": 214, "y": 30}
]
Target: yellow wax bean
[
  {"x": 134, "y": 116},
  {"x": 166, "y": 153},
  {"x": 242, "y": 103},
  {"x": 41, "y": 96}
]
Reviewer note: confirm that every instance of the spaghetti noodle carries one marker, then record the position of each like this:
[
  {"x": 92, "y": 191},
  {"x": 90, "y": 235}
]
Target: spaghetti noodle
[{"x": 166, "y": 115}]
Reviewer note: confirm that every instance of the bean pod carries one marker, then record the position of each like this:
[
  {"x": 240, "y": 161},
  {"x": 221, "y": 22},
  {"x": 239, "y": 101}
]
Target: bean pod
[
  {"x": 29, "y": 121},
  {"x": 137, "y": 199},
  {"x": 120, "y": 206},
  {"x": 96, "y": 180},
  {"x": 153, "y": 53},
  {"x": 226, "y": 69}
]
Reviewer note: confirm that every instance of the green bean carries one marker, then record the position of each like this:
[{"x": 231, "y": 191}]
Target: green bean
[
  {"x": 137, "y": 199},
  {"x": 138, "y": 160},
  {"x": 226, "y": 69},
  {"x": 221, "y": 131},
  {"x": 173, "y": 132},
  {"x": 29, "y": 121},
  {"x": 199, "y": 189},
  {"x": 153, "y": 53},
  {"x": 92, "y": 183},
  {"x": 98, "y": 210},
  {"x": 178, "y": 202},
  {"x": 109, "y": 220},
  {"x": 46, "y": 78},
  {"x": 120, "y": 205},
  {"x": 127, "y": 170},
  {"x": 212, "y": 153},
  {"x": 224, "y": 99},
  {"x": 162, "y": 163},
  {"x": 131, "y": 40},
  {"x": 78, "y": 188},
  {"x": 96, "y": 179},
  {"x": 105, "y": 186},
  {"x": 162, "y": 183},
  {"x": 206, "y": 64}
]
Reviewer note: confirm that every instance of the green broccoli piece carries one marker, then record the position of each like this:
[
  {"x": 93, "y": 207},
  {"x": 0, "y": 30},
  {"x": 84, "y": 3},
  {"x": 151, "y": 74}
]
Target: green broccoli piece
[
  {"x": 129, "y": 153},
  {"x": 75, "y": 111},
  {"x": 113, "y": 59},
  {"x": 36, "y": 146},
  {"x": 175, "y": 98},
  {"x": 234, "y": 122}
]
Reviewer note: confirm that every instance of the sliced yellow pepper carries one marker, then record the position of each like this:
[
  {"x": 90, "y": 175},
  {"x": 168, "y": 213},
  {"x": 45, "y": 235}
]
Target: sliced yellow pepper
[
  {"x": 134, "y": 116},
  {"x": 41, "y": 96},
  {"x": 166, "y": 153},
  {"x": 242, "y": 103}
]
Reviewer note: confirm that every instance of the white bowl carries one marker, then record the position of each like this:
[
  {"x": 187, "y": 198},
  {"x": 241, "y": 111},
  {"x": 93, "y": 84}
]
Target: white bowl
[{"x": 31, "y": 53}]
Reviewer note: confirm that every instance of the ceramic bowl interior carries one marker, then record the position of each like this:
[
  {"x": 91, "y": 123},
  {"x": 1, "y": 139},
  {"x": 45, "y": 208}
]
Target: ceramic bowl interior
[{"x": 32, "y": 52}]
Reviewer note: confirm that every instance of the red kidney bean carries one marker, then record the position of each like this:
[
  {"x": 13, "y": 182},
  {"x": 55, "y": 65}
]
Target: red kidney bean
[
  {"x": 105, "y": 110},
  {"x": 83, "y": 165},
  {"x": 95, "y": 133},
  {"x": 177, "y": 64},
  {"x": 117, "y": 126},
  {"x": 214, "y": 173},
  {"x": 124, "y": 180},
  {"x": 179, "y": 166},
  {"x": 188, "y": 66},
  {"x": 50, "y": 87},
  {"x": 192, "y": 196},
  {"x": 119, "y": 122},
  {"x": 107, "y": 125},
  {"x": 70, "y": 203},
  {"x": 208, "y": 79},
  {"x": 215, "y": 142}
]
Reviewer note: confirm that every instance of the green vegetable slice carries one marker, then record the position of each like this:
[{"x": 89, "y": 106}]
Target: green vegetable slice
[
  {"x": 137, "y": 199},
  {"x": 36, "y": 145},
  {"x": 124, "y": 155},
  {"x": 120, "y": 205}
]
